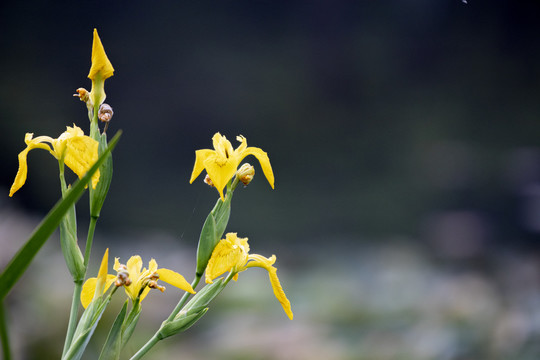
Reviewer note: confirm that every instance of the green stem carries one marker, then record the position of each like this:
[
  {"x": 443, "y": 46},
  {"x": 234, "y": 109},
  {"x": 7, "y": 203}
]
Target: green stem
[
  {"x": 142, "y": 351},
  {"x": 4, "y": 333},
  {"x": 72, "y": 325},
  {"x": 89, "y": 240},
  {"x": 184, "y": 298}
]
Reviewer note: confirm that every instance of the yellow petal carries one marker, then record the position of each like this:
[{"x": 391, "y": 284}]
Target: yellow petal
[
  {"x": 152, "y": 266},
  {"x": 102, "y": 275},
  {"x": 200, "y": 157},
  {"x": 279, "y": 293},
  {"x": 266, "y": 263},
  {"x": 88, "y": 291},
  {"x": 116, "y": 266},
  {"x": 230, "y": 253},
  {"x": 22, "y": 172},
  {"x": 263, "y": 160},
  {"x": 100, "y": 62},
  {"x": 134, "y": 266},
  {"x": 81, "y": 154},
  {"x": 175, "y": 279},
  {"x": 220, "y": 173}
]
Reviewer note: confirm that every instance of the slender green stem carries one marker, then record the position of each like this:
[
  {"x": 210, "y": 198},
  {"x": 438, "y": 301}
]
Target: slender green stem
[
  {"x": 74, "y": 312},
  {"x": 89, "y": 240},
  {"x": 142, "y": 351},
  {"x": 6, "y": 351},
  {"x": 184, "y": 298}
]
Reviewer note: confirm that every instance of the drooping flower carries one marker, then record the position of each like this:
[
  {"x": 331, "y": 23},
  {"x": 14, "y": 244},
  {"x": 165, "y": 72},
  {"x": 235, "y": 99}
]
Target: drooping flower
[
  {"x": 79, "y": 152},
  {"x": 141, "y": 280},
  {"x": 222, "y": 162},
  {"x": 100, "y": 70},
  {"x": 232, "y": 254},
  {"x": 93, "y": 288}
]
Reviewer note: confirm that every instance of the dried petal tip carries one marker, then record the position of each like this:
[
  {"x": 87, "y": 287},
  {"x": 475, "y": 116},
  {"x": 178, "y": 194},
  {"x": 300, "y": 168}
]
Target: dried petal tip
[
  {"x": 208, "y": 181},
  {"x": 82, "y": 94},
  {"x": 105, "y": 113},
  {"x": 245, "y": 173}
]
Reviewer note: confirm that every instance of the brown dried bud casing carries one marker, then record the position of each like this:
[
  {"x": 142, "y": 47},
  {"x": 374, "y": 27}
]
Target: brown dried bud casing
[
  {"x": 245, "y": 173},
  {"x": 208, "y": 181},
  {"x": 82, "y": 94},
  {"x": 105, "y": 113},
  {"x": 122, "y": 277}
]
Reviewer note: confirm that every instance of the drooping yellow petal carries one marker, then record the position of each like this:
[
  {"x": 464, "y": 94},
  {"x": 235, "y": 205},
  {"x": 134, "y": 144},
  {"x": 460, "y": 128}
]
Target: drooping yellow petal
[
  {"x": 267, "y": 263},
  {"x": 279, "y": 293},
  {"x": 81, "y": 153},
  {"x": 229, "y": 254},
  {"x": 22, "y": 172},
  {"x": 263, "y": 160},
  {"x": 220, "y": 172},
  {"x": 175, "y": 279},
  {"x": 101, "y": 66},
  {"x": 200, "y": 157}
]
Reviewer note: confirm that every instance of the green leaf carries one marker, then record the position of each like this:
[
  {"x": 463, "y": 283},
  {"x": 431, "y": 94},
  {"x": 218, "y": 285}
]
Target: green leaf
[
  {"x": 213, "y": 228},
  {"x": 98, "y": 195},
  {"x": 85, "y": 329},
  {"x": 131, "y": 322},
  {"x": 113, "y": 344},
  {"x": 24, "y": 256}
]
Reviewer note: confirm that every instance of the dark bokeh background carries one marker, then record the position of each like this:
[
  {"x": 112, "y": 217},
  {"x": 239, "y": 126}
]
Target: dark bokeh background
[{"x": 404, "y": 136}]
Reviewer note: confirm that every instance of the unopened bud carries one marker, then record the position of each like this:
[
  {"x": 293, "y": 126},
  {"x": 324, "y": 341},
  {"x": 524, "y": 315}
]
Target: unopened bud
[
  {"x": 208, "y": 181},
  {"x": 105, "y": 113},
  {"x": 245, "y": 173}
]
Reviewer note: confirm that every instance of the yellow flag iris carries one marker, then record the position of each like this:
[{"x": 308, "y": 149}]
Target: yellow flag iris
[
  {"x": 101, "y": 69},
  {"x": 140, "y": 278},
  {"x": 232, "y": 254},
  {"x": 222, "y": 162},
  {"x": 79, "y": 152}
]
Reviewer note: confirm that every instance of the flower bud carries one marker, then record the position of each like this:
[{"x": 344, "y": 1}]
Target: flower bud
[
  {"x": 105, "y": 113},
  {"x": 245, "y": 173}
]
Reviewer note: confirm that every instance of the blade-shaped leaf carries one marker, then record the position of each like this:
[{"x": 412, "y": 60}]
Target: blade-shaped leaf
[
  {"x": 113, "y": 344},
  {"x": 24, "y": 256}
]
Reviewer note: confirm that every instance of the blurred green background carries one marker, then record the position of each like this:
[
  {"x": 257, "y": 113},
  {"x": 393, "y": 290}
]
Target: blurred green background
[{"x": 404, "y": 136}]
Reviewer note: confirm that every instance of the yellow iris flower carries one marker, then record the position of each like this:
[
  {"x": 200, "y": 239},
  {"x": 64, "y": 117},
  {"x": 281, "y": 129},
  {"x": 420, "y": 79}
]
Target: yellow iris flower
[
  {"x": 232, "y": 254},
  {"x": 140, "y": 279},
  {"x": 101, "y": 69},
  {"x": 222, "y": 162},
  {"x": 79, "y": 152}
]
